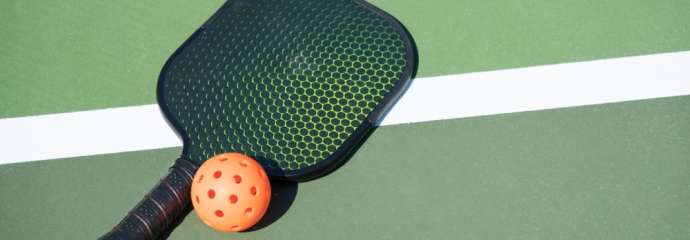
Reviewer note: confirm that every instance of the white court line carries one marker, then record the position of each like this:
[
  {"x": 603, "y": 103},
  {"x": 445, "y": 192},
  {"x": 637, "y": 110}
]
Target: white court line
[
  {"x": 544, "y": 87},
  {"x": 454, "y": 96},
  {"x": 84, "y": 133}
]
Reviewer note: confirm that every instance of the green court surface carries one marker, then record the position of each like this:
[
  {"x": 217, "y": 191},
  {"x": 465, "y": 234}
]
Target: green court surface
[{"x": 609, "y": 171}]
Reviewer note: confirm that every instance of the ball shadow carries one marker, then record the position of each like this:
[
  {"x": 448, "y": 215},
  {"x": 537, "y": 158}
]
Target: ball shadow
[{"x": 283, "y": 194}]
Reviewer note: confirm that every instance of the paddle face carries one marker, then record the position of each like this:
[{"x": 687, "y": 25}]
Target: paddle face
[{"x": 296, "y": 84}]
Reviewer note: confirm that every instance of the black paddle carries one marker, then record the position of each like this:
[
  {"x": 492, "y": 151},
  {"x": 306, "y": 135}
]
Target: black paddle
[{"x": 296, "y": 84}]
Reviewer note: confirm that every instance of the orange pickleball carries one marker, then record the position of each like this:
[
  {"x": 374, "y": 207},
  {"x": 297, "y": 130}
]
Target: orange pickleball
[{"x": 231, "y": 192}]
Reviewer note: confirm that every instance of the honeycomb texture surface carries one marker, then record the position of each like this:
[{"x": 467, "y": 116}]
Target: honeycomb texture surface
[{"x": 284, "y": 81}]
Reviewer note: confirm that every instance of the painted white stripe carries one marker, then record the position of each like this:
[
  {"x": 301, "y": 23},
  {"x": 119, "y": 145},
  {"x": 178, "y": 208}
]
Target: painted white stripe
[
  {"x": 84, "y": 133},
  {"x": 455, "y": 96},
  {"x": 544, "y": 87}
]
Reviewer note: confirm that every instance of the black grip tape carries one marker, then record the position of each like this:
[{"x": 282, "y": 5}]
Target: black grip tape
[{"x": 160, "y": 207}]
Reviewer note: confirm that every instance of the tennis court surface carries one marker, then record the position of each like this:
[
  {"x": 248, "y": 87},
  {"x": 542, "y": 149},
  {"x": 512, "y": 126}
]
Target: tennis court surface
[{"x": 526, "y": 120}]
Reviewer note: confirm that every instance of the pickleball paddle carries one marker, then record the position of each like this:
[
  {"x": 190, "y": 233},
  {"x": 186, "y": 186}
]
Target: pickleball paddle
[{"x": 296, "y": 84}]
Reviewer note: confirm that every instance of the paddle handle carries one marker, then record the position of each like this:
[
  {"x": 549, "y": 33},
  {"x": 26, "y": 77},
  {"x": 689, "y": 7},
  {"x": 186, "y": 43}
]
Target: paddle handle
[{"x": 159, "y": 209}]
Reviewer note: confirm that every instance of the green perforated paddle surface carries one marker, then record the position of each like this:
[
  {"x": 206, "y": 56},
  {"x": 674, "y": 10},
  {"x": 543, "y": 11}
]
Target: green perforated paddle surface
[{"x": 295, "y": 84}]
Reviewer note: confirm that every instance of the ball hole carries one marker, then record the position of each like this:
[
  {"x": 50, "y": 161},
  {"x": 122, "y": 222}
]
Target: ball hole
[
  {"x": 248, "y": 212},
  {"x": 211, "y": 194},
  {"x": 233, "y": 198},
  {"x": 244, "y": 163},
  {"x": 217, "y": 174},
  {"x": 197, "y": 198},
  {"x": 235, "y": 228},
  {"x": 219, "y": 213},
  {"x": 201, "y": 178},
  {"x": 237, "y": 178},
  {"x": 223, "y": 159},
  {"x": 253, "y": 191}
]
